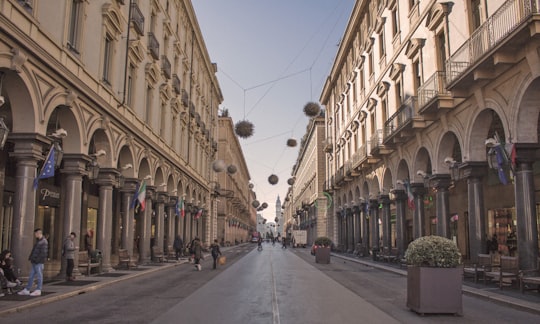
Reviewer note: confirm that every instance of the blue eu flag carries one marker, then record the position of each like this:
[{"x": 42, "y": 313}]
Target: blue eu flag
[{"x": 47, "y": 171}]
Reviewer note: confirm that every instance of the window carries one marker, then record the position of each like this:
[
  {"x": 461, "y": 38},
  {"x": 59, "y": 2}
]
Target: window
[
  {"x": 107, "y": 59},
  {"x": 373, "y": 122},
  {"x": 441, "y": 51},
  {"x": 417, "y": 75},
  {"x": 476, "y": 14},
  {"x": 75, "y": 26},
  {"x": 148, "y": 108},
  {"x": 370, "y": 64},
  {"x": 382, "y": 50},
  {"x": 399, "y": 92},
  {"x": 130, "y": 84},
  {"x": 162, "y": 118},
  {"x": 412, "y": 3},
  {"x": 395, "y": 22}
]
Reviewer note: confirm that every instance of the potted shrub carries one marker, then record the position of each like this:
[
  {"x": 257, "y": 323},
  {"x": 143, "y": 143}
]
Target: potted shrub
[
  {"x": 321, "y": 249},
  {"x": 434, "y": 276}
]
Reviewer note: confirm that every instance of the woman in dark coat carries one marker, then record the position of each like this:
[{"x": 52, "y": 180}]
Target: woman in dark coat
[{"x": 197, "y": 252}]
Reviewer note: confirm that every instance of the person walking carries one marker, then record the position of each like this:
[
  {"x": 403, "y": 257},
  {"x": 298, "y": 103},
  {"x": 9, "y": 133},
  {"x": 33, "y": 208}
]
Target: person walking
[
  {"x": 197, "y": 253},
  {"x": 69, "y": 253},
  {"x": 178, "y": 245},
  {"x": 37, "y": 259},
  {"x": 216, "y": 252}
]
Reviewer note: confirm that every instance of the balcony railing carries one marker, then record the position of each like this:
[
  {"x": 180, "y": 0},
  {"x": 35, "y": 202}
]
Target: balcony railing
[
  {"x": 503, "y": 22},
  {"x": 137, "y": 18},
  {"x": 376, "y": 140},
  {"x": 356, "y": 158},
  {"x": 401, "y": 117},
  {"x": 153, "y": 46},
  {"x": 433, "y": 87},
  {"x": 176, "y": 84},
  {"x": 166, "y": 66}
]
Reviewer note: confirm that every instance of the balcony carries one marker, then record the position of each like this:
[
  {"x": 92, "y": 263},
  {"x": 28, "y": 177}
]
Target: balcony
[
  {"x": 348, "y": 173},
  {"x": 153, "y": 46},
  {"x": 166, "y": 66},
  {"x": 494, "y": 44},
  {"x": 340, "y": 177},
  {"x": 176, "y": 84},
  {"x": 401, "y": 125},
  {"x": 137, "y": 18},
  {"x": 433, "y": 96},
  {"x": 377, "y": 145},
  {"x": 328, "y": 145}
]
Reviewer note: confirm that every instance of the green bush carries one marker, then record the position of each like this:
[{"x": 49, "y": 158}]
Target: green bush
[
  {"x": 323, "y": 241},
  {"x": 433, "y": 251}
]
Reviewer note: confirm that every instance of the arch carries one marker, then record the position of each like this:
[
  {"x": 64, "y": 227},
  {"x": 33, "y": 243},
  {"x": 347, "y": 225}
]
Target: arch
[
  {"x": 422, "y": 163},
  {"x": 125, "y": 158},
  {"x": 101, "y": 141},
  {"x": 144, "y": 170},
  {"x": 159, "y": 180},
  {"x": 387, "y": 183},
  {"x": 18, "y": 110},
  {"x": 528, "y": 113},
  {"x": 480, "y": 131},
  {"x": 63, "y": 117},
  {"x": 403, "y": 171},
  {"x": 449, "y": 147},
  {"x": 170, "y": 185}
]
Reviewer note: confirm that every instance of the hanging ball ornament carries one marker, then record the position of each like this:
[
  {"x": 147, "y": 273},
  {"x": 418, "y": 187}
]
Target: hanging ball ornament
[
  {"x": 312, "y": 109},
  {"x": 219, "y": 165},
  {"x": 290, "y": 181},
  {"x": 291, "y": 142},
  {"x": 273, "y": 179},
  {"x": 264, "y": 205},
  {"x": 250, "y": 186},
  {"x": 244, "y": 128},
  {"x": 255, "y": 203},
  {"x": 231, "y": 169}
]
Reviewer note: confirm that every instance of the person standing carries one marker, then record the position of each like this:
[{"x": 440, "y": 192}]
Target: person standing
[
  {"x": 89, "y": 241},
  {"x": 178, "y": 245},
  {"x": 69, "y": 253},
  {"x": 37, "y": 259},
  {"x": 216, "y": 252},
  {"x": 197, "y": 252}
]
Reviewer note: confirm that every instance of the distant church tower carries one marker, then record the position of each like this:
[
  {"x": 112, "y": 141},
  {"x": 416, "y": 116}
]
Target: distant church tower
[{"x": 279, "y": 216}]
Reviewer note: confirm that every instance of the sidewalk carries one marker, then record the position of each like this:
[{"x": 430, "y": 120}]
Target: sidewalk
[{"x": 529, "y": 301}]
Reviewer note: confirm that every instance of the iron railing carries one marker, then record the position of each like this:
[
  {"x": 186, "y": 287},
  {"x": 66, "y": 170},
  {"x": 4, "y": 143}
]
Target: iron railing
[
  {"x": 401, "y": 117},
  {"x": 433, "y": 87},
  {"x": 137, "y": 18},
  {"x": 153, "y": 46},
  {"x": 376, "y": 139}
]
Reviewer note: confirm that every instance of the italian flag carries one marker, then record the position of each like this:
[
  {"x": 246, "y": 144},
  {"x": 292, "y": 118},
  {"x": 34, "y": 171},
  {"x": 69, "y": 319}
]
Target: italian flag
[
  {"x": 141, "y": 195},
  {"x": 180, "y": 207},
  {"x": 199, "y": 213}
]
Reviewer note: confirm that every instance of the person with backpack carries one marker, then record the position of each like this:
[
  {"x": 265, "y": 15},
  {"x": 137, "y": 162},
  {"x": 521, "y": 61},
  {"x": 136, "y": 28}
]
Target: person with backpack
[
  {"x": 197, "y": 252},
  {"x": 216, "y": 252}
]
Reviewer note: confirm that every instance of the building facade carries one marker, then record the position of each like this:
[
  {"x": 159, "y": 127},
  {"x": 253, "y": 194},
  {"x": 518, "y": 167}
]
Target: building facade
[
  {"x": 126, "y": 94},
  {"x": 432, "y": 115}
]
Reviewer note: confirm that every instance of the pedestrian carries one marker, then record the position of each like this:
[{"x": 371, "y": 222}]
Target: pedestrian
[
  {"x": 493, "y": 244},
  {"x": 197, "y": 253},
  {"x": 6, "y": 264},
  {"x": 178, "y": 245},
  {"x": 89, "y": 241},
  {"x": 37, "y": 259},
  {"x": 68, "y": 251},
  {"x": 284, "y": 243},
  {"x": 216, "y": 252}
]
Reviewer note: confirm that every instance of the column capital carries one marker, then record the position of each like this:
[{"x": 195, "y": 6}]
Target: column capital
[
  {"x": 150, "y": 192},
  {"x": 162, "y": 197},
  {"x": 384, "y": 199},
  {"x": 28, "y": 146},
  {"x": 172, "y": 201},
  {"x": 107, "y": 177},
  {"x": 440, "y": 181},
  {"x": 130, "y": 184},
  {"x": 75, "y": 164},
  {"x": 399, "y": 194},
  {"x": 526, "y": 152},
  {"x": 473, "y": 169},
  {"x": 373, "y": 203},
  {"x": 418, "y": 188}
]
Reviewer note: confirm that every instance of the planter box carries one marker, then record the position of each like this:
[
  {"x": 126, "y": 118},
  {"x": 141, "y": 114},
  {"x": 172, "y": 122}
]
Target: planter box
[
  {"x": 322, "y": 255},
  {"x": 434, "y": 290}
]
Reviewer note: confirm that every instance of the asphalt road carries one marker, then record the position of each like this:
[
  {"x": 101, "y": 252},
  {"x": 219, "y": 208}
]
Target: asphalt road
[{"x": 272, "y": 286}]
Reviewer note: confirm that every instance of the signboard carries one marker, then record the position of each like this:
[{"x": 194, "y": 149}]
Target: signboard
[{"x": 48, "y": 195}]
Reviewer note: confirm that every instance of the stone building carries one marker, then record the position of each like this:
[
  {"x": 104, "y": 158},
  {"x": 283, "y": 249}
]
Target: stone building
[
  {"x": 434, "y": 105},
  {"x": 126, "y": 94}
]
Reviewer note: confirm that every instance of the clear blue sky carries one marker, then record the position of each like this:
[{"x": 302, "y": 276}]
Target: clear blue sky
[{"x": 273, "y": 57}]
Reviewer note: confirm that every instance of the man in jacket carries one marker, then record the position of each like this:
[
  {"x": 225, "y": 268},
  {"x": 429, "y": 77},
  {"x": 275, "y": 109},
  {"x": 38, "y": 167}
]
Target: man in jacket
[
  {"x": 37, "y": 259},
  {"x": 69, "y": 253}
]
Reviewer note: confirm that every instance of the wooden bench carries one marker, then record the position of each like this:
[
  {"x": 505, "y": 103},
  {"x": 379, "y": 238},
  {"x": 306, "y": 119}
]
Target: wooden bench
[
  {"x": 157, "y": 254},
  {"x": 86, "y": 262},
  {"x": 509, "y": 268},
  {"x": 388, "y": 255},
  {"x": 124, "y": 258},
  {"x": 530, "y": 277},
  {"x": 483, "y": 264}
]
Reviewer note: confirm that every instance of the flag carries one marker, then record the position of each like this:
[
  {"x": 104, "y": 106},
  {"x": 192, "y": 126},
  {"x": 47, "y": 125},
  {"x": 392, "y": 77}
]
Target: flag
[
  {"x": 47, "y": 171},
  {"x": 199, "y": 213},
  {"x": 135, "y": 195},
  {"x": 180, "y": 207},
  {"x": 140, "y": 196},
  {"x": 499, "y": 154},
  {"x": 410, "y": 196}
]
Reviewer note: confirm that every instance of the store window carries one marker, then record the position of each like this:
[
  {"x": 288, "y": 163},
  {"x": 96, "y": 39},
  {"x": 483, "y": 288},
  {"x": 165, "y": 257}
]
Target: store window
[{"x": 502, "y": 222}]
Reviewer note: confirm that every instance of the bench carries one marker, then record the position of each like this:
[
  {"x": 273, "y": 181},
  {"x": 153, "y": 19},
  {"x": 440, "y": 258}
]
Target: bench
[
  {"x": 530, "y": 277},
  {"x": 388, "y": 255},
  {"x": 86, "y": 262},
  {"x": 124, "y": 258},
  {"x": 509, "y": 268},
  {"x": 483, "y": 264},
  {"x": 157, "y": 254}
]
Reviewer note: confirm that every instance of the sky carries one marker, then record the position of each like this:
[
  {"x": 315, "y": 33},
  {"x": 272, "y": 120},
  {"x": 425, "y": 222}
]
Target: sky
[{"x": 273, "y": 57}]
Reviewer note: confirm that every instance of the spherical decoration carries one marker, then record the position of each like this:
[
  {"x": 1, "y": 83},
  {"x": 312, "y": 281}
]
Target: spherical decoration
[
  {"x": 219, "y": 165},
  {"x": 244, "y": 129},
  {"x": 250, "y": 186},
  {"x": 255, "y": 203},
  {"x": 291, "y": 142},
  {"x": 264, "y": 205},
  {"x": 273, "y": 179},
  {"x": 290, "y": 181},
  {"x": 231, "y": 169},
  {"x": 312, "y": 109}
]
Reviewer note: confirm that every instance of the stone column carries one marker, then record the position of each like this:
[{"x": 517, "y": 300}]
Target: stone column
[
  {"x": 146, "y": 219},
  {"x": 527, "y": 230},
  {"x": 105, "y": 181},
  {"x": 172, "y": 219},
  {"x": 441, "y": 182},
  {"x": 386, "y": 221},
  {"x": 74, "y": 169},
  {"x": 159, "y": 234},
  {"x": 365, "y": 229},
  {"x": 128, "y": 214},
  {"x": 356, "y": 225},
  {"x": 374, "y": 222},
  {"x": 27, "y": 152},
  {"x": 419, "y": 227},
  {"x": 350, "y": 229},
  {"x": 474, "y": 172},
  {"x": 401, "y": 205}
]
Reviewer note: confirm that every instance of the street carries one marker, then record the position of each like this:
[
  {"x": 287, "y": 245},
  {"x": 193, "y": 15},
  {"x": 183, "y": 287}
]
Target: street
[{"x": 269, "y": 286}]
